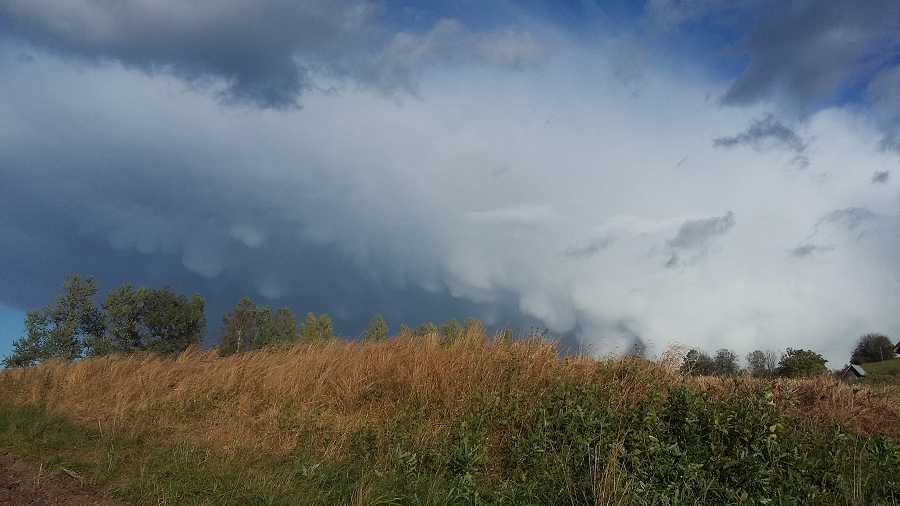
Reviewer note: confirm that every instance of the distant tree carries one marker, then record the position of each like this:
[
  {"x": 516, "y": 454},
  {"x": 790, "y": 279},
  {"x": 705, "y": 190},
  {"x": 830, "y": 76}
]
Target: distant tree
[
  {"x": 326, "y": 330},
  {"x": 474, "y": 329},
  {"x": 309, "y": 330},
  {"x": 697, "y": 363},
  {"x": 284, "y": 326},
  {"x": 725, "y": 363},
  {"x": 316, "y": 330},
  {"x": 425, "y": 329},
  {"x": 761, "y": 364},
  {"x": 405, "y": 330},
  {"x": 154, "y": 320},
  {"x": 377, "y": 329},
  {"x": 508, "y": 335},
  {"x": 801, "y": 364},
  {"x": 248, "y": 327},
  {"x": 63, "y": 329},
  {"x": 872, "y": 348},
  {"x": 450, "y": 331}
]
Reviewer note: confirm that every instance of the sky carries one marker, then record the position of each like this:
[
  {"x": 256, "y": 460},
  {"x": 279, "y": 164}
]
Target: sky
[{"x": 712, "y": 174}]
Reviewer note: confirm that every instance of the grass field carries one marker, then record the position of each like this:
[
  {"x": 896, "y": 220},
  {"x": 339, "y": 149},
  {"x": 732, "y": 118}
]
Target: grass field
[
  {"x": 886, "y": 368},
  {"x": 409, "y": 421}
]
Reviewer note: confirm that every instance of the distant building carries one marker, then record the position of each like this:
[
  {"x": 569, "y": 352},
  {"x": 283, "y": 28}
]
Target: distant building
[{"x": 852, "y": 373}]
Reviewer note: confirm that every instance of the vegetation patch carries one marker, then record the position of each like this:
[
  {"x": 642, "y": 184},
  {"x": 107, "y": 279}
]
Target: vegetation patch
[{"x": 412, "y": 420}]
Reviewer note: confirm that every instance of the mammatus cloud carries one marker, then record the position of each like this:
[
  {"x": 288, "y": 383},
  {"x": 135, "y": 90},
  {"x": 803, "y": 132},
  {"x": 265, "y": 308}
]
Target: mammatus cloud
[{"x": 265, "y": 53}]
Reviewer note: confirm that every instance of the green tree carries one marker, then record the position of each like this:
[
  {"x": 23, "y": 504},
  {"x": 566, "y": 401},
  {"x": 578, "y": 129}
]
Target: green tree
[
  {"x": 474, "y": 329},
  {"x": 309, "y": 330},
  {"x": 245, "y": 327},
  {"x": 872, "y": 348},
  {"x": 801, "y": 364},
  {"x": 761, "y": 364},
  {"x": 63, "y": 329},
  {"x": 377, "y": 330},
  {"x": 153, "y": 320},
  {"x": 697, "y": 363},
  {"x": 425, "y": 329},
  {"x": 316, "y": 330},
  {"x": 725, "y": 363},
  {"x": 325, "y": 329},
  {"x": 284, "y": 326},
  {"x": 450, "y": 331}
]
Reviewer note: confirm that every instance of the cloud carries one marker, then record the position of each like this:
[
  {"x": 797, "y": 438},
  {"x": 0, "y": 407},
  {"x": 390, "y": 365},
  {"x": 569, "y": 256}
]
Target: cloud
[
  {"x": 881, "y": 177},
  {"x": 591, "y": 248},
  {"x": 807, "y": 52},
  {"x": 265, "y": 53},
  {"x": 807, "y": 250},
  {"x": 761, "y": 130},
  {"x": 695, "y": 234},
  {"x": 799, "y": 55},
  {"x": 850, "y": 218}
]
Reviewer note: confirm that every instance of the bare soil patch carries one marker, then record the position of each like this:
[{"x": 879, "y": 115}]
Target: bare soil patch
[{"x": 22, "y": 483}]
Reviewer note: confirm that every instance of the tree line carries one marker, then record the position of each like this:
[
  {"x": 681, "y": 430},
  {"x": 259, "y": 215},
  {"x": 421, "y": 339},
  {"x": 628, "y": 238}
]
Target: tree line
[
  {"x": 791, "y": 364},
  {"x": 159, "y": 321}
]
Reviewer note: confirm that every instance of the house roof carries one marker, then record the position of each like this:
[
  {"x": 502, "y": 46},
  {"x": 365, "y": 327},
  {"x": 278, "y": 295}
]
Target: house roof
[{"x": 857, "y": 370}]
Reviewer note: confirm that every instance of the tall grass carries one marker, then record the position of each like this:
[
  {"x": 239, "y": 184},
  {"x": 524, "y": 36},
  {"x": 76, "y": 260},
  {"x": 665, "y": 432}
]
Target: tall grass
[{"x": 416, "y": 421}]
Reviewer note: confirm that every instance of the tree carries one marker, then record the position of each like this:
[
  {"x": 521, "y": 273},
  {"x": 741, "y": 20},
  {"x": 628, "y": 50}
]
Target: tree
[
  {"x": 801, "y": 364},
  {"x": 725, "y": 363},
  {"x": 872, "y": 348},
  {"x": 474, "y": 329},
  {"x": 450, "y": 331},
  {"x": 697, "y": 363},
  {"x": 316, "y": 330},
  {"x": 284, "y": 326},
  {"x": 425, "y": 329},
  {"x": 377, "y": 330},
  {"x": 245, "y": 327},
  {"x": 62, "y": 329},
  {"x": 761, "y": 364},
  {"x": 326, "y": 330},
  {"x": 153, "y": 320}
]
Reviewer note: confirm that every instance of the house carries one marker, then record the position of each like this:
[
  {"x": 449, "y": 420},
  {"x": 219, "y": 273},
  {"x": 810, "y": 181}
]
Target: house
[
  {"x": 897, "y": 348},
  {"x": 852, "y": 373}
]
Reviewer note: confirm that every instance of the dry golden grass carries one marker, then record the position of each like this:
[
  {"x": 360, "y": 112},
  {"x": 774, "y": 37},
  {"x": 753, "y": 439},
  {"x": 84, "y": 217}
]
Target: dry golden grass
[{"x": 272, "y": 402}]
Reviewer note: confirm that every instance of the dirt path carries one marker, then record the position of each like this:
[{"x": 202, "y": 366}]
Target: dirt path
[{"x": 24, "y": 484}]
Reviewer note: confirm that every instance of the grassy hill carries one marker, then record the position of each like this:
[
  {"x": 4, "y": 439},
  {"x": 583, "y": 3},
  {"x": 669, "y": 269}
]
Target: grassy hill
[
  {"x": 886, "y": 368},
  {"x": 409, "y": 421}
]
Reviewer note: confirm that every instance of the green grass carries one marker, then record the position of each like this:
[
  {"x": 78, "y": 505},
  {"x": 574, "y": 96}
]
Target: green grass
[
  {"x": 570, "y": 447},
  {"x": 886, "y": 368}
]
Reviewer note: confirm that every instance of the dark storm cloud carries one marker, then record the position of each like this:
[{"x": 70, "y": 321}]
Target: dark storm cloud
[
  {"x": 761, "y": 130},
  {"x": 695, "y": 234},
  {"x": 808, "y": 52},
  {"x": 881, "y": 177},
  {"x": 801, "y": 54},
  {"x": 264, "y": 52}
]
